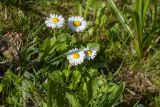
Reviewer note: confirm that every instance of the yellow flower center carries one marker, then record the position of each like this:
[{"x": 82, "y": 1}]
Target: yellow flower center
[
  {"x": 75, "y": 55},
  {"x": 55, "y": 20},
  {"x": 76, "y": 23},
  {"x": 89, "y": 52}
]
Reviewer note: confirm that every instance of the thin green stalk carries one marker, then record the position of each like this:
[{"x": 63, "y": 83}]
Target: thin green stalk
[
  {"x": 123, "y": 22},
  {"x": 120, "y": 17},
  {"x": 57, "y": 57}
]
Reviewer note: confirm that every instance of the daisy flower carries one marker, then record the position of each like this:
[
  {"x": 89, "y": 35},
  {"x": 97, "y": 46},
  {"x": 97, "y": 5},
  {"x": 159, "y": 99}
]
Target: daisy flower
[
  {"x": 90, "y": 53},
  {"x": 77, "y": 23},
  {"x": 54, "y": 21},
  {"x": 75, "y": 56}
]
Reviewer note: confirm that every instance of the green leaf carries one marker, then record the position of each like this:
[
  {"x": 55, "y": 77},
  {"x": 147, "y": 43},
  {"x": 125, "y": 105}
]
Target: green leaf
[
  {"x": 56, "y": 76},
  {"x": 103, "y": 20},
  {"x": 60, "y": 99},
  {"x": 96, "y": 4},
  {"x": 61, "y": 47},
  {"x": 139, "y": 19},
  {"x": 80, "y": 9},
  {"x": 66, "y": 73},
  {"x": 45, "y": 44},
  {"x": 104, "y": 101},
  {"x": 73, "y": 40},
  {"x": 146, "y": 5},
  {"x": 118, "y": 44},
  {"x": 92, "y": 87},
  {"x": 50, "y": 89},
  {"x": 52, "y": 41},
  {"x": 88, "y": 3},
  {"x": 135, "y": 47},
  {"x": 136, "y": 21},
  {"x": 112, "y": 96},
  {"x": 120, "y": 17},
  {"x": 73, "y": 100},
  {"x": 90, "y": 31},
  {"x": 25, "y": 92},
  {"x": 116, "y": 94},
  {"x": 62, "y": 37},
  {"x": 1, "y": 87},
  {"x": 76, "y": 76},
  {"x": 93, "y": 45},
  {"x": 52, "y": 46},
  {"x": 42, "y": 70}
]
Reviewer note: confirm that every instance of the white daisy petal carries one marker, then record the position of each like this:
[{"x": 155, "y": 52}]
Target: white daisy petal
[
  {"x": 77, "y": 23},
  {"x": 54, "y": 21},
  {"x": 90, "y": 53},
  {"x": 75, "y": 56}
]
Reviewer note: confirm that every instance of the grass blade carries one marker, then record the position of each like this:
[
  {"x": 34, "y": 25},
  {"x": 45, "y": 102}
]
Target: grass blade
[{"x": 120, "y": 17}]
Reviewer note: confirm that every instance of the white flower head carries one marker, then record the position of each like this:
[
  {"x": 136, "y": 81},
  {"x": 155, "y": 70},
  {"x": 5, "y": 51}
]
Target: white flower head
[
  {"x": 75, "y": 56},
  {"x": 77, "y": 23},
  {"x": 54, "y": 21},
  {"x": 90, "y": 53}
]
